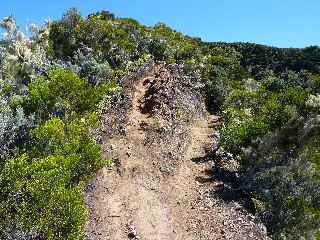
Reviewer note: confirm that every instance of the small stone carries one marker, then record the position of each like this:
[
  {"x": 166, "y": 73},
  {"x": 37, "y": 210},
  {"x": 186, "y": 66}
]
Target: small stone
[{"x": 132, "y": 232}]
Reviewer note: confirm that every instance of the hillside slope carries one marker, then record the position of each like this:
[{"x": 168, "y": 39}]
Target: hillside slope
[{"x": 82, "y": 95}]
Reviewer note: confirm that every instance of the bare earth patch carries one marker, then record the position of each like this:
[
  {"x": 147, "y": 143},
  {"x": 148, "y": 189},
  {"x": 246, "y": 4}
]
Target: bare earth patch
[{"x": 137, "y": 198}]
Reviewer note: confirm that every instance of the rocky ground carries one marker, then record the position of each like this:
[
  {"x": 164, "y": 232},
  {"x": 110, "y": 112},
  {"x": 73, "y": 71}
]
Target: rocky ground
[{"x": 161, "y": 184}]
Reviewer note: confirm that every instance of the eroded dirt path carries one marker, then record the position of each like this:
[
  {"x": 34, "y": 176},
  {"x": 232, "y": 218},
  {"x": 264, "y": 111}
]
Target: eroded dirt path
[{"x": 133, "y": 199}]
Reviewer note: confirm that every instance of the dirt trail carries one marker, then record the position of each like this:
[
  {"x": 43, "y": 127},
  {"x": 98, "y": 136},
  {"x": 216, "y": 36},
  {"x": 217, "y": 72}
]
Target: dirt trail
[{"x": 134, "y": 200}]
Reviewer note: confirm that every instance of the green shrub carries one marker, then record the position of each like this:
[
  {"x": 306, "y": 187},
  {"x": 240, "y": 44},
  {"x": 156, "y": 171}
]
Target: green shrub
[
  {"x": 40, "y": 99},
  {"x": 237, "y": 134},
  {"x": 36, "y": 197},
  {"x": 41, "y": 189},
  {"x": 62, "y": 35},
  {"x": 70, "y": 139},
  {"x": 294, "y": 95},
  {"x": 274, "y": 113},
  {"x": 64, "y": 92},
  {"x": 77, "y": 94},
  {"x": 240, "y": 98},
  {"x": 313, "y": 82}
]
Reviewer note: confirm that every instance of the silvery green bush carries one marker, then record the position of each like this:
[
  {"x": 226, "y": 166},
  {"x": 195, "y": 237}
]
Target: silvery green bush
[{"x": 14, "y": 126}]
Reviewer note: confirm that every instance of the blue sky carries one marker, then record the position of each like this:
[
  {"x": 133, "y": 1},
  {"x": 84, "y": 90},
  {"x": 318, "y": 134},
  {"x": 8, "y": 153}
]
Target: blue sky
[{"x": 281, "y": 23}]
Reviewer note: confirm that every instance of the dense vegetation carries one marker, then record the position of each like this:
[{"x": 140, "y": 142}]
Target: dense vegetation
[
  {"x": 271, "y": 126},
  {"x": 55, "y": 84}
]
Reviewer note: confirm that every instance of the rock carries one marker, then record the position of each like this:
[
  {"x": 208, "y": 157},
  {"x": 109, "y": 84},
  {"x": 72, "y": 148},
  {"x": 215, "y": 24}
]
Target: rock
[{"x": 132, "y": 233}]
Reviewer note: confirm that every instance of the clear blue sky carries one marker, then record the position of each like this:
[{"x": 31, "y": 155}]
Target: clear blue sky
[{"x": 281, "y": 23}]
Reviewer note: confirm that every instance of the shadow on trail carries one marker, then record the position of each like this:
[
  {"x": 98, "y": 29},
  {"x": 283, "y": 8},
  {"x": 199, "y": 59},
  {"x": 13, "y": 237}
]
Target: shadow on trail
[{"x": 225, "y": 183}]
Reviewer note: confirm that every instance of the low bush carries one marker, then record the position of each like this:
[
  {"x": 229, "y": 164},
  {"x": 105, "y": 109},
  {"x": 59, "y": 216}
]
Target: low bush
[
  {"x": 64, "y": 92},
  {"x": 41, "y": 188}
]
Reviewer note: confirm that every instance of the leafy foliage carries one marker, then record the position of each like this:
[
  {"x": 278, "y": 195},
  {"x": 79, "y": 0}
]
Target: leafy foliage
[
  {"x": 54, "y": 85},
  {"x": 62, "y": 93},
  {"x": 41, "y": 189},
  {"x": 270, "y": 126},
  {"x": 47, "y": 149}
]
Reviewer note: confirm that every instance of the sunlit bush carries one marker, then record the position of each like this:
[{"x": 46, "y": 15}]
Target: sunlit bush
[
  {"x": 41, "y": 189},
  {"x": 64, "y": 92}
]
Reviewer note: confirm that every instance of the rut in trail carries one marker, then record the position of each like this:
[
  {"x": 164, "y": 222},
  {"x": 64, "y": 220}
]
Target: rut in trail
[{"x": 156, "y": 189}]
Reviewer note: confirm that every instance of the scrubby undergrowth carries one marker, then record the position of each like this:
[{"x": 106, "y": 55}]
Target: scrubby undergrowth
[{"x": 55, "y": 84}]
